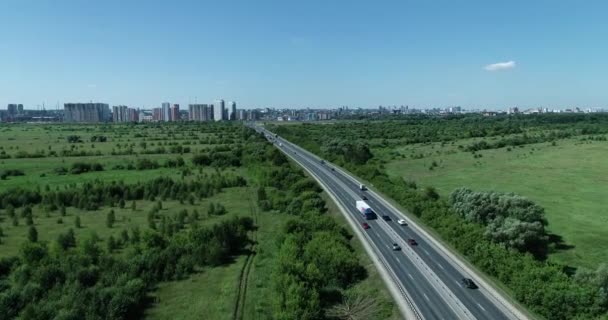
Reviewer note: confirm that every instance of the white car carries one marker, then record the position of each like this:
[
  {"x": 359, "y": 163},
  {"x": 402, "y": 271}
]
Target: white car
[{"x": 402, "y": 222}]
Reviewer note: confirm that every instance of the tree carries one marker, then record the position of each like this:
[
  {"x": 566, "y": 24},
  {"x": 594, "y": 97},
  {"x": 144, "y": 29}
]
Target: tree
[
  {"x": 15, "y": 221},
  {"x": 29, "y": 220},
  {"x": 110, "y": 219},
  {"x": 133, "y": 206},
  {"x": 63, "y": 211},
  {"x": 32, "y": 234},
  {"x": 67, "y": 240},
  {"x": 431, "y": 193},
  {"x": 121, "y": 203},
  {"x": 211, "y": 209},
  {"x": 112, "y": 244},
  {"x": 355, "y": 306},
  {"x": 124, "y": 236},
  {"x": 26, "y": 211},
  {"x": 77, "y": 222}
]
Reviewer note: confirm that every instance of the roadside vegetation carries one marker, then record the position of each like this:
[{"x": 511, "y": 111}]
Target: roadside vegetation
[{"x": 508, "y": 236}]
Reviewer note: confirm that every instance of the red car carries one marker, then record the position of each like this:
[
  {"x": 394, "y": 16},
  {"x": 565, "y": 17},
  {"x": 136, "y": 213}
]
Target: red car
[
  {"x": 365, "y": 225},
  {"x": 412, "y": 242}
]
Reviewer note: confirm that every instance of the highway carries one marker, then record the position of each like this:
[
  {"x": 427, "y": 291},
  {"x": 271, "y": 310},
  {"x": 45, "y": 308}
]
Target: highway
[{"x": 428, "y": 278}]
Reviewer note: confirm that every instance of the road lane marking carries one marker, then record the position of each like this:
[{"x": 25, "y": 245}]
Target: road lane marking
[
  {"x": 440, "y": 266},
  {"x": 410, "y": 275},
  {"x": 482, "y": 308},
  {"x": 427, "y": 253},
  {"x": 427, "y": 298}
]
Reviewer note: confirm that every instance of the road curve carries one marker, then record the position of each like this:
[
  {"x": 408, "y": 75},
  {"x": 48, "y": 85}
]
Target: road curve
[{"x": 427, "y": 275}]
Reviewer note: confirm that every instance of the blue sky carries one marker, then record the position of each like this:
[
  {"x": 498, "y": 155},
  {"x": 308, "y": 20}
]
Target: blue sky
[{"x": 305, "y": 53}]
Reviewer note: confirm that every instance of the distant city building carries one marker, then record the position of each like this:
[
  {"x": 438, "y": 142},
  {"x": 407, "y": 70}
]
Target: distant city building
[
  {"x": 175, "y": 113},
  {"x": 157, "y": 114},
  {"x": 242, "y": 115},
  {"x": 86, "y": 112},
  {"x": 210, "y": 113},
  {"x": 219, "y": 113},
  {"x": 200, "y": 112},
  {"x": 166, "y": 111},
  {"x": 232, "y": 111},
  {"x": 119, "y": 113},
  {"x": 14, "y": 109}
]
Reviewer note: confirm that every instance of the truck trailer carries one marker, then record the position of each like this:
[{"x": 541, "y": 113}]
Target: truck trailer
[{"x": 365, "y": 210}]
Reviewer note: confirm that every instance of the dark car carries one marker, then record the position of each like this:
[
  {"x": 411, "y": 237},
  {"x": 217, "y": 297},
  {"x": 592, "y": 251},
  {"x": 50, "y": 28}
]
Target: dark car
[
  {"x": 386, "y": 218},
  {"x": 469, "y": 283},
  {"x": 396, "y": 247},
  {"x": 332, "y": 169},
  {"x": 363, "y": 197},
  {"x": 365, "y": 225},
  {"x": 322, "y": 161},
  {"x": 412, "y": 242}
]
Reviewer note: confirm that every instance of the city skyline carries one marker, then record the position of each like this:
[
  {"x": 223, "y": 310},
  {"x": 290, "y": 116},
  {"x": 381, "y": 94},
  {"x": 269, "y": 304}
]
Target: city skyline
[{"x": 317, "y": 54}]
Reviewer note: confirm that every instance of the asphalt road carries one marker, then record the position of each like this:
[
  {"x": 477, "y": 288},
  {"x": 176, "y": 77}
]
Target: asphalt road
[{"x": 432, "y": 281}]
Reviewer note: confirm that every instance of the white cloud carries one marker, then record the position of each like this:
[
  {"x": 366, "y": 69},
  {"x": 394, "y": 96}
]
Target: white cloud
[{"x": 500, "y": 66}]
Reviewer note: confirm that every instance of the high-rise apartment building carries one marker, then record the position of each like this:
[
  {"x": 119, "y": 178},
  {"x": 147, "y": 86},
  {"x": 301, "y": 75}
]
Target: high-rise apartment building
[
  {"x": 175, "y": 113},
  {"x": 166, "y": 112},
  {"x": 232, "y": 115},
  {"x": 157, "y": 114},
  {"x": 86, "y": 112},
  {"x": 210, "y": 112},
  {"x": 200, "y": 112},
  {"x": 242, "y": 115},
  {"x": 219, "y": 113}
]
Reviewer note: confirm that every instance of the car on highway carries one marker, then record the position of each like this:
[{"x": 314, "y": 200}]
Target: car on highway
[
  {"x": 386, "y": 218},
  {"x": 412, "y": 242},
  {"x": 322, "y": 161},
  {"x": 363, "y": 197},
  {"x": 468, "y": 283},
  {"x": 402, "y": 222},
  {"x": 365, "y": 225},
  {"x": 332, "y": 169},
  {"x": 396, "y": 247}
]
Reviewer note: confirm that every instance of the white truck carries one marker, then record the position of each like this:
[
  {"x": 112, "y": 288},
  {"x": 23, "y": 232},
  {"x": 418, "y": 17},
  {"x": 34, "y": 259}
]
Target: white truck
[{"x": 365, "y": 210}]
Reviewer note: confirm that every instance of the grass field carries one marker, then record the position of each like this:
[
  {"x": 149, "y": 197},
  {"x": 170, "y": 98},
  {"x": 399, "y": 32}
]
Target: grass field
[
  {"x": 95, "y": 221},
  {"x": 569, "y": 180}
]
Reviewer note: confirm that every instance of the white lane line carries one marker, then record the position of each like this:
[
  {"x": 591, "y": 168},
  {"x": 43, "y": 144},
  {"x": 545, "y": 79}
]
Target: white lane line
[
  {"x": 440, "y": 266},
  {"x": 482, "y": 308},
  {"x": 427, "y": 298},
  {"x": 398, "y": 260},
  {"x": 427, "y": 253},
  {"x": 410, "y": 275}
]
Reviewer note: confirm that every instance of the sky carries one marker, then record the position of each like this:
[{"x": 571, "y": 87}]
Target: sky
[{"x": 329, "y": 53}]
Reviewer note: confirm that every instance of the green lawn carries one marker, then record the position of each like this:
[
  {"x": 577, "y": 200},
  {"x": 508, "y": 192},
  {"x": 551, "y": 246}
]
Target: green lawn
[{"x": 569, "y": 180}]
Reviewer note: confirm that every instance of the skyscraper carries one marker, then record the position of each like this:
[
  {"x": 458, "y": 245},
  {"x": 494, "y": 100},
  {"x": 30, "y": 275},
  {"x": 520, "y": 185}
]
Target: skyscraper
[
  {"x": 232, "y": 110},
  {"x": 166, "y": 111},
  {"x": 219, "y": 113}
]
